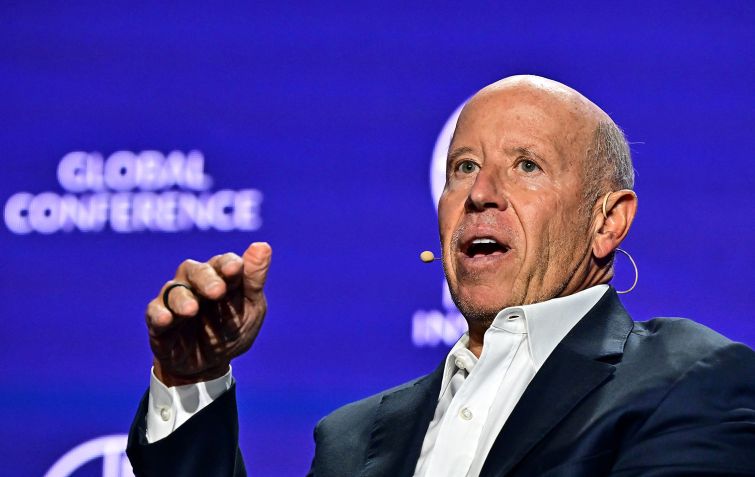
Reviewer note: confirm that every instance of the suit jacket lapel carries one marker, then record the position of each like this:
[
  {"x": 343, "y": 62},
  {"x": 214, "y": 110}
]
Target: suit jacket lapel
[
  {"x": 400, "y": 425},
  {"x": 574, "y": 369}
]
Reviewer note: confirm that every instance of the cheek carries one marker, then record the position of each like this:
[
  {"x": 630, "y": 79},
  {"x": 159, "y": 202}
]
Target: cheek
[
  {"x": 537, "y": 208},
  {"x": 560, "y": 231},
  {"x": 443, "y": 219},
  {"x": 450, "y": 208},
  {"x": 539, "y": 221}
]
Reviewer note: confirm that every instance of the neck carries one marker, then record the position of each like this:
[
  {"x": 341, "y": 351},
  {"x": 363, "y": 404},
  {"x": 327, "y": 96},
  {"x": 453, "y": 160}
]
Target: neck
[
  {"x": 478, "y": 326},
  {"x": 477, "y": 335}
]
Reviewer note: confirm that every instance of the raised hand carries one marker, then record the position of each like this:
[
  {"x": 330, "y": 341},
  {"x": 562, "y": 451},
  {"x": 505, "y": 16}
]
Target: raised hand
[{"x": 215, "y": 317}]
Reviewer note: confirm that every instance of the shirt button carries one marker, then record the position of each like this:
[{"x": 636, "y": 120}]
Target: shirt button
[
  {"x": 459, "y": 363},
  {"x": 165, "y": 414},
  {"x": 466, "y": 414}
]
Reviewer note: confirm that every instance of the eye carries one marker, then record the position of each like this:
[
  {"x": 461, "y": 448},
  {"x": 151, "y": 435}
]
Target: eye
[
  {"x": 527, "y": 166},
  {"x": 467, "y": 167}
]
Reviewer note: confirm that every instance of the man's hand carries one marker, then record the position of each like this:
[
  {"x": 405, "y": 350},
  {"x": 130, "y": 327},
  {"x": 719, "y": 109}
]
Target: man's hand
[{"x": 215, "y": 321}]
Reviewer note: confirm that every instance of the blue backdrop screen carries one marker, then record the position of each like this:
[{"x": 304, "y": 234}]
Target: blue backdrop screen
[{"x": 139, "y": 135}]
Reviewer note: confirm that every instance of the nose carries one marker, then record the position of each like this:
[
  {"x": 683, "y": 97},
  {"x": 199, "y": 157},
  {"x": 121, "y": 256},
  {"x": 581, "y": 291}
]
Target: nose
[{"x": 487, "y": 192}]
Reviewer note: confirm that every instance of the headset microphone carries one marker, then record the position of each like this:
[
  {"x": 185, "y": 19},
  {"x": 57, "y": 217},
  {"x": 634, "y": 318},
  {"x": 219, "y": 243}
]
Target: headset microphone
[{"x": 428, "y": 257}]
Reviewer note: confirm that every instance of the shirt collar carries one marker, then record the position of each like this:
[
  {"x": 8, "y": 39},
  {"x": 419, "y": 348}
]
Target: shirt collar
[
  {"x": 545, "y": 323},
  {"x": 450, "y": 367},
  {"x": 548, "y": 322}
]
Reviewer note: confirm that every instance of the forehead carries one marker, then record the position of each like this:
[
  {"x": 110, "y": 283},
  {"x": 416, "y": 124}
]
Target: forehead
[{"x": 524, "y": 116}]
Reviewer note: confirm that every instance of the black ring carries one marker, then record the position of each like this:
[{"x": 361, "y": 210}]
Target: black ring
[{"x": 166, "y": 293}]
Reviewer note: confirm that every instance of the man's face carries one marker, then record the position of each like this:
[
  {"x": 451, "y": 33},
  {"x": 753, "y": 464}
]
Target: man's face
[{"x": 511, "y": 226}]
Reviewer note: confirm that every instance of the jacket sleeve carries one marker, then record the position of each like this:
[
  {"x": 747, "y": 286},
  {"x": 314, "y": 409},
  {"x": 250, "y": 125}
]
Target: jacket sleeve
[
  {"x": 205, "y": 445},
  {"x": 705, "y": 425}
]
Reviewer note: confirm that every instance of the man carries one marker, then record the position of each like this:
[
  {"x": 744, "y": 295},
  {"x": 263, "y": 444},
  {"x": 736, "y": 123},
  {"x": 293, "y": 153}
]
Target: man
[{"x": 553, "y": 377}]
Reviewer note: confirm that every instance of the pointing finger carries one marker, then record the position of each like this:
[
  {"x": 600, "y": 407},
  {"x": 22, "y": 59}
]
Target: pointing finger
[{"x": 256, "y": 264}]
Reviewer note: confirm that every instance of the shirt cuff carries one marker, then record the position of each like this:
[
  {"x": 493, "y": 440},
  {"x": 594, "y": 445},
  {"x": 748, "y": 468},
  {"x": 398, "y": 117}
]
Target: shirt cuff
[{"x": 170, "y": 407}]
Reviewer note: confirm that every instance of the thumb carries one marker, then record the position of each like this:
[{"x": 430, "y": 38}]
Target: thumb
[{"x": 256, "y": 264}]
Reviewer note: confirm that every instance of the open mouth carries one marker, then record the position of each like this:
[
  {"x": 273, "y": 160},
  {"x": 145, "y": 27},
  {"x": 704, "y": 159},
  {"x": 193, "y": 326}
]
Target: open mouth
[{"x": 484, "y": 247}]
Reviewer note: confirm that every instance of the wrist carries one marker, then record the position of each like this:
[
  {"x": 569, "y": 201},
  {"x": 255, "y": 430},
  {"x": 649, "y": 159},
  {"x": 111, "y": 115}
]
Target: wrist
[{"x": 171, "y": 379}]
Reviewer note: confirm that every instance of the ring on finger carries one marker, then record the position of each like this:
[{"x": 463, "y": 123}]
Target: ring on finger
[{"x": 166, "y": 294}]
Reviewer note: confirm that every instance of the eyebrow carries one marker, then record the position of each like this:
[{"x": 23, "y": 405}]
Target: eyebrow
[
  {"x": 526, "y": 151},
  {"x": 520, "y": 151},
  {"x": 460, "y": 151}
]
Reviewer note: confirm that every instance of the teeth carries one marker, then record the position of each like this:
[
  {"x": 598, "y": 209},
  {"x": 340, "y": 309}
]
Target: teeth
[{"x": 484, "y": 240}]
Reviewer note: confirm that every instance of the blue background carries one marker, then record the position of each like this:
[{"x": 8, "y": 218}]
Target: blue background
[{"x": 332, "y": 111}]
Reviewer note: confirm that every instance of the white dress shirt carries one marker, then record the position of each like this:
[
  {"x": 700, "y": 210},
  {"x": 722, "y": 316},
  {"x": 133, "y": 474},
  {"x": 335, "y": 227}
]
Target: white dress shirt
[
  {"x": 476, "y": 395},
  {"x": 168, "y": 408}
]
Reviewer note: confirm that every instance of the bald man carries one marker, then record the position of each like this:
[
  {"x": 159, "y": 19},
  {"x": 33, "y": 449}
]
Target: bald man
[{"x": 553, "y": 378}]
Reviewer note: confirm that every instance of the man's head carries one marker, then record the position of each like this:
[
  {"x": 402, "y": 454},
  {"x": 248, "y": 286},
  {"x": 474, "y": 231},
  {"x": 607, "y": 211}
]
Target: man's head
[{"x": 520, "y": 216}]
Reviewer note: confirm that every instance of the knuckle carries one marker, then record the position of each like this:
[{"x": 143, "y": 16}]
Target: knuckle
[
  {"x": 187, "y": 268},
  {"x": 187, "y": 264},
  {"x": 199, "y": 271},
  {"x": 224, "y": 259},
  {"x": 230, "y": 256}
]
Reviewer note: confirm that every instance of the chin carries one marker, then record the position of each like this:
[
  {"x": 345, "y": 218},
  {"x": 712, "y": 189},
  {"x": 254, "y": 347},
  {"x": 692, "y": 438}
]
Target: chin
[{"x": 481, "y": 304}]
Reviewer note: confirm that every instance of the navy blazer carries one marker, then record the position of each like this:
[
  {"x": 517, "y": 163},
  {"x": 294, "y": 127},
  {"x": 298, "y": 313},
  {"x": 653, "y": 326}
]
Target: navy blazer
[{"x": 667, "y": 397}]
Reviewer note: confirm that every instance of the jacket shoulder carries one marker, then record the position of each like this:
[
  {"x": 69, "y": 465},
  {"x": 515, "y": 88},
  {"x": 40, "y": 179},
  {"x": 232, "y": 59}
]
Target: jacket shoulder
[
  {"x": 342, "y": 437},
  {"x": 691, "y": 387},
  {"x": 675, "y": 327},
  {"x": 667, "y": 356},
  {"x": 678, "y": 341}
]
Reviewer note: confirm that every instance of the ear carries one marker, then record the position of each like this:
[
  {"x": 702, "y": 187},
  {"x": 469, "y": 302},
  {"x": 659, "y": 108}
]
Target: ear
[{"x": 611, "y": 229}]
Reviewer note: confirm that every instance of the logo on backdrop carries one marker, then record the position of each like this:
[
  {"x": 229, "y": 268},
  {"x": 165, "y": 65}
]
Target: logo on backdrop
[
  {"x": 111, "y": 449},
  {"x": 127, "y": 192},
  {"x": 440, "y": 326}
]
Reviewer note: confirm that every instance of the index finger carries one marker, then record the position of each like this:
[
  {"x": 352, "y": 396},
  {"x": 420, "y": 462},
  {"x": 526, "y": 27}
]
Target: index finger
[{"x": 229, "y": 267}]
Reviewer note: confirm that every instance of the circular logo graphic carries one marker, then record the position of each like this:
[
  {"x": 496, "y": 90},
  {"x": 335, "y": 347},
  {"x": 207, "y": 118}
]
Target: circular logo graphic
[{"x": 111, "y": 449}]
